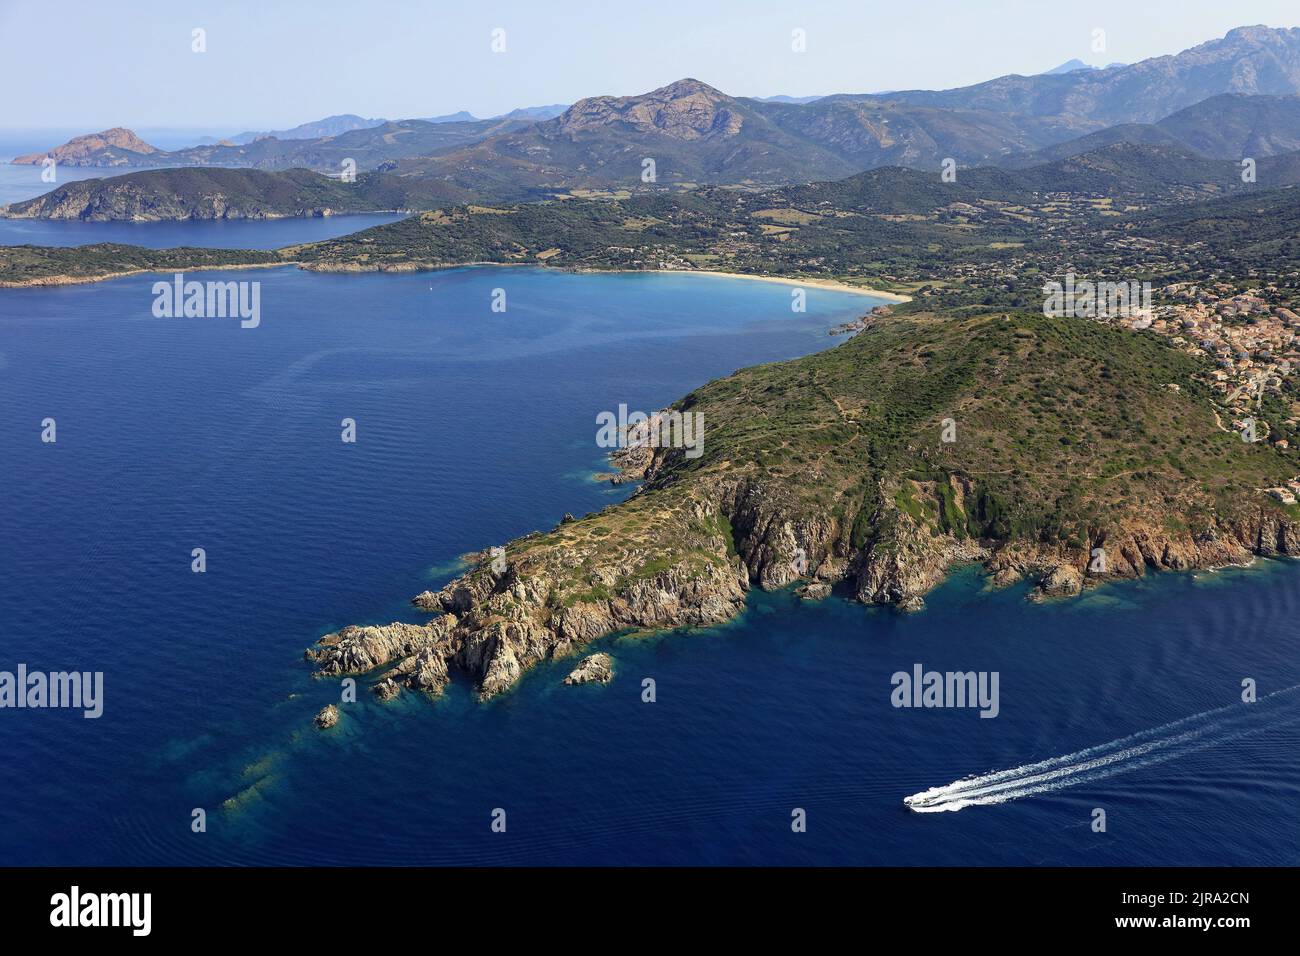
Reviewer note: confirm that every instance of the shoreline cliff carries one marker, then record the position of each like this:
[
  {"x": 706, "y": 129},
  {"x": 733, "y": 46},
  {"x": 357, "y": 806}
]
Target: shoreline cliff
[{"x": 831, "y": 472}]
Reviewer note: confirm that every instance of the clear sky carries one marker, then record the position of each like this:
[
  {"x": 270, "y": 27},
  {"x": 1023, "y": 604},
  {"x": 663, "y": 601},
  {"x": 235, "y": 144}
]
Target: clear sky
[{"x": 92, "y": 64}]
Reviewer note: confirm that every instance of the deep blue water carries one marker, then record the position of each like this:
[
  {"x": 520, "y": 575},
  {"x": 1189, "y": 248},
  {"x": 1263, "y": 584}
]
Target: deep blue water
[
  {"x": 24, "y": 182},
  {"x": 475, "y": 427}
]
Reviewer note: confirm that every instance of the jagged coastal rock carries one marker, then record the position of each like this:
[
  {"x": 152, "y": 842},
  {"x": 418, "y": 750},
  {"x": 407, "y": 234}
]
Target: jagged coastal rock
[
  {"x": 328, "y": 717},
  {"x": 112, "y": 147},
  {"x": 879, "y": 465},
  {"x": 418, "y": 653},
  {"x": 862, "y": 322},
  {"x": 598, "y": 668}
]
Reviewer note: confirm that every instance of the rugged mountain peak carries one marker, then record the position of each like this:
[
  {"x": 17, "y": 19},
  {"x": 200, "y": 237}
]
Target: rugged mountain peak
[
  {"x": 1259, "y": 59},
  {"x": 82, "y": 146},
  {"x": 1251, "y": 60},
  {"x": 688, "y": 86},
  {"x": 1256, "y": 33},
  {"x": 685, "y": 110}
]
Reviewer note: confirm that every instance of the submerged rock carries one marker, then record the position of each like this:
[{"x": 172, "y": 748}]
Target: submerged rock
[{"x": 598, "y": 668}]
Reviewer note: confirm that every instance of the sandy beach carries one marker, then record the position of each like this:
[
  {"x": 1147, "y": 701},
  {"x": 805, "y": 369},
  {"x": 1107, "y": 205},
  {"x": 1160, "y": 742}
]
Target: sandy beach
[
  {"x": 819, "y": 283},
  {"x": 408, "y": 267}
]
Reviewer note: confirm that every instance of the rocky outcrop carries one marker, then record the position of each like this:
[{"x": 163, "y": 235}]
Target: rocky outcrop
[
  {"x": 328, "y": 717},
  {"x": 1143, "y": 545},
  {"x": 598, "y": 668},
  {"x": 497, "y": 622},
  {"x": 513, "y": 612},
  {"x": 419, "y": 654},
  {"x": 1063, "y": 580},
  {"x": 814, "y": 591},
  {"x": 356, "y": 650},
  {"x": 112, "y": 147},
  {"x": 686, "y": 110},
  {"x": 901, "y": 568}
]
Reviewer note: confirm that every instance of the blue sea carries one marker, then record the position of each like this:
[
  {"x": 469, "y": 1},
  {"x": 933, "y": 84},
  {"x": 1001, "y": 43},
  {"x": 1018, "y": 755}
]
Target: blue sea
[
  {"x": 24, "y": 182},
  {"x": 474, "y": 427}
]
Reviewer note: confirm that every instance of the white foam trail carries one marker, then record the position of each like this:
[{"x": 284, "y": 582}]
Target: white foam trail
[{"x": 1142, "y": 749}]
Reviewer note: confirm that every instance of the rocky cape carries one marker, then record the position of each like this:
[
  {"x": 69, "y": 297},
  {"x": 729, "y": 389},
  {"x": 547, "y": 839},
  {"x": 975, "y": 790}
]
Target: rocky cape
[
  {"x": 495, "y": 626},
  {"x": 883, "y": 513}
]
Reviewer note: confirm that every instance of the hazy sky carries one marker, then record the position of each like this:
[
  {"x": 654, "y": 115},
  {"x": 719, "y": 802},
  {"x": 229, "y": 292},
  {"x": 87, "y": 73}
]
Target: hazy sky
[{"x": 275, "y": 63}]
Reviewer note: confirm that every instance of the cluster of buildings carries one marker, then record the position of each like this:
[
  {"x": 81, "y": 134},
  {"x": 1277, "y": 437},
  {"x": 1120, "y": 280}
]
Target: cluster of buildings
[
  {"x": 1287, "y": 494},
  {"x": 1252, "y": 342}
]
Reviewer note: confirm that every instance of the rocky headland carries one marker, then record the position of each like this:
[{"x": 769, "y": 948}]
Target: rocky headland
[{"x": 872, "y": 469}]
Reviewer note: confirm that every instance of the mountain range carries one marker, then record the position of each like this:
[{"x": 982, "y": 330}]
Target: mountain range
[
  {"x": 1234, "y": 97},
  {"x": 1251, "y": 60},
  {"x": 318, "y": 129},
  {"x": 1227, "y": 126},
  {"x": 1126, "y": 172},
  {"x": 347, "y": 122}
]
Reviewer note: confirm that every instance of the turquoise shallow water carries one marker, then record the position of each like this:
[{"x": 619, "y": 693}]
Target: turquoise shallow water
[{"x": 475, "y": 427}]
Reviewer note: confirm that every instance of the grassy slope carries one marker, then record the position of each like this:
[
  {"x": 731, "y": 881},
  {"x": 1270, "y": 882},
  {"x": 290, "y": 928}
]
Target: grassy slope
[
  {"x": 185, "y": 193},
  {"x": 1060, "y": 420},
  {"x": 1064, "y": 429},
  {"x": 21, "y": 265}
]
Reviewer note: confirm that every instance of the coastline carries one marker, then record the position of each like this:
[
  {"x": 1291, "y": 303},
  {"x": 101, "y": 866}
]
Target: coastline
[
  {"x": 269, "y": 217},
  {"x": 59, "y": 280},
  {"x": 409, "y": 267},
  {"x": 832, "y": 284}
]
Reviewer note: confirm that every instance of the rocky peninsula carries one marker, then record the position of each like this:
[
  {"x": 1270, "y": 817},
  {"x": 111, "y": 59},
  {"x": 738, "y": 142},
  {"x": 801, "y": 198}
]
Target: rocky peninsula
[{"x": 1048, "y": 450}]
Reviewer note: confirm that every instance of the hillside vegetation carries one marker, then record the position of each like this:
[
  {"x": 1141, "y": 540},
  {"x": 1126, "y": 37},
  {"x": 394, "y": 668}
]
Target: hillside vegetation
[
  {"x": 1079, "y": 452},
  {"x": 177, "y": 194}
]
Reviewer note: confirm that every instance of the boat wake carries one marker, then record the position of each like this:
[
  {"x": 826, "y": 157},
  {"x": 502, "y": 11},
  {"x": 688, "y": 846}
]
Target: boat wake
[{"x": 1147, "y": 747}]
